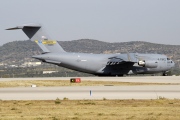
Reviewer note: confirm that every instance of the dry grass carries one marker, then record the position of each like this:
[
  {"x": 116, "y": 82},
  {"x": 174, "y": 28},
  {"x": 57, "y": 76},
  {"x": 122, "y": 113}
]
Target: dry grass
[
  {"x": 47, "y": 83},
  {"x": 161, "y": 109}
]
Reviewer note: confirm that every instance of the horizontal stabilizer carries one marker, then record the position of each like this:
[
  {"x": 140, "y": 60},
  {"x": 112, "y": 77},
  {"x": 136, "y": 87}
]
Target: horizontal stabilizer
[
  {"x": 25, "y": 25},
  {"x": 14, "y": 28}
]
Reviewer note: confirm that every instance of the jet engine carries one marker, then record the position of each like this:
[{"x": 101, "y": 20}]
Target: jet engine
[{"x": 148, "y": 64}]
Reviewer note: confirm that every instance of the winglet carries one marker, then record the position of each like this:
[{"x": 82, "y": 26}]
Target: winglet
[{"x": 128, "y": 56}]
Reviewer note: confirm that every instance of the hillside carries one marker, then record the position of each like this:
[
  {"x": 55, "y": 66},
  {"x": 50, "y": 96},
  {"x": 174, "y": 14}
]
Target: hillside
[{"x": 20, "y": 51}]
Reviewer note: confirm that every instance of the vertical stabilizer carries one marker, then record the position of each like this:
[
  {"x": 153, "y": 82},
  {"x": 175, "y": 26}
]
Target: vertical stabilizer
[{"x": 37, "y": 34}]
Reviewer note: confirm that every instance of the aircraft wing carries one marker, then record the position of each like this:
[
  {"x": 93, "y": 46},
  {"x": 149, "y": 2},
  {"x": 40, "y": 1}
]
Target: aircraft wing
[
  {"x": 116, "y": 59},
  {"x": 121, "y": 59}
]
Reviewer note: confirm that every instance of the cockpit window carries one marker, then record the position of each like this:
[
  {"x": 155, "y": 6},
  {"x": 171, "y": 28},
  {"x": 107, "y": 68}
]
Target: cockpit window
[{"x": 168, "y": 58}]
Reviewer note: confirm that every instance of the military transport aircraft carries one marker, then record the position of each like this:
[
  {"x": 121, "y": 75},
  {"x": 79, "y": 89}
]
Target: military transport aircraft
[{"x": 97, "y": 64}]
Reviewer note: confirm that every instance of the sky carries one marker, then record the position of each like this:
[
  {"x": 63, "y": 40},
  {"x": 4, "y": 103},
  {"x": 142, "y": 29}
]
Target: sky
[{"x": 156, "y": 21}]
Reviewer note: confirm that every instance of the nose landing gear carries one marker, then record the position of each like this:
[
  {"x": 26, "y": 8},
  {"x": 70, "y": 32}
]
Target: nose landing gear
[{"x": 164, "y": 74}]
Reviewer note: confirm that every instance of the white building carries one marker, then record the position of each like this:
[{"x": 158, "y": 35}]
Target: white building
[
  {"x": 49, "y": 72},
  {"x": 30, "y": 64}
]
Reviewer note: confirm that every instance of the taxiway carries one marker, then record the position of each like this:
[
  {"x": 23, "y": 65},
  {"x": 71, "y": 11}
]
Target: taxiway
[{"x": 91, "y": 92}]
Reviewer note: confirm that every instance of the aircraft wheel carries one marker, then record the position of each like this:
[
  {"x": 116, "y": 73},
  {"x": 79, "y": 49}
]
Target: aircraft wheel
[
  {"x": 120, "y": 75},
  {"x": 164, "y": 74}
]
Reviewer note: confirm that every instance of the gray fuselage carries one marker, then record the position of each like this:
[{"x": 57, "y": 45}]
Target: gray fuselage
[{"x": 99, "y": 64}]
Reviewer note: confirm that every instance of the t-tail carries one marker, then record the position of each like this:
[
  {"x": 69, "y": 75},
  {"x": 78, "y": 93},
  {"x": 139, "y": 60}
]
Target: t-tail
[{"x": 36, "y": 33}]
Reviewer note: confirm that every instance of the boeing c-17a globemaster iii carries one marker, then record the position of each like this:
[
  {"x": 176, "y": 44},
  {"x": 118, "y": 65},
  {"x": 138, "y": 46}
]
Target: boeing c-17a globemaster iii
[{"x": 97, "y": 64}]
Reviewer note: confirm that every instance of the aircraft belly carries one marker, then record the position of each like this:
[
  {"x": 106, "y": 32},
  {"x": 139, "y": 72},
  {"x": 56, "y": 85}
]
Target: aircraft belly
[
  {"x": 80, "y": 64},
  {"x": 116, "y": 69}
]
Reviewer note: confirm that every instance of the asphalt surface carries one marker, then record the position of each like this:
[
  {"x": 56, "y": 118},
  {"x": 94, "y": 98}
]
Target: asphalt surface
[{"x": 91, "y": 92}]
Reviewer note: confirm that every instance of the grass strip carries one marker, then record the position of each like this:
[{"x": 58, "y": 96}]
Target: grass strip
[
  {"x": 48, "y": 83},
  {"x": 159, "y": 109}
]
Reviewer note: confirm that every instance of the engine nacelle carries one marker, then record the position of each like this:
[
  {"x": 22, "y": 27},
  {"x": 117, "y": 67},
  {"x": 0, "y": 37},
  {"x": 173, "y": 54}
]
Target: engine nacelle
[{"x": 148, "y": 64}]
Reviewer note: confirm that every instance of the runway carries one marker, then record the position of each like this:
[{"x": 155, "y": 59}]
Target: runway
[
  {"x": 144, "y": 79},
  {"x": 97, "y": 92}
]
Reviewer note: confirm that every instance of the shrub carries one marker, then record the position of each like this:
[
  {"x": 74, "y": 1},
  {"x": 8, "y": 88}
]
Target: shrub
[
  {"x": 57, "y": 101},
  {"x": 65, "y": 98}
]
